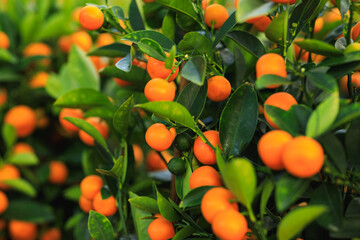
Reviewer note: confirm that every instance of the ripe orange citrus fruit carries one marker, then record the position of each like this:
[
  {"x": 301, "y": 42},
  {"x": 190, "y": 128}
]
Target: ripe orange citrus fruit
[
  {"x": 39, "y": 80},
  {"x": 58, "y": 172},
  {"x": 65, "y": 43},
  {"x": 37, "y": 49},
  {"x": 319, "y": 23},
  {"x": 260, "y": 23},
  {"x": 158, "y": 137},
  {"x": 20, "y": 230},
  {"x": 230, "y": 225},
  {"x": 8, "y": 172},
  {"x": 4, "y": 41},
  {"x": 85, "y": 204},
  {"x": 202, "y": 151},
  {"x": 91, "y": 17},
  {"x": 138, "y": 154},
  {"x": 219, "y": 88},
  {"x": 4, "y": 202},
  {"x": 3, "y": 96},
  {"x": 90, "y": 186},
  {"x": 22, "y": 147},
  {"x": 271, "y": 63},
  {"x": 271, "y": 146},
  {"x": 303, "y": 157},
  {"x": 51, "y": 234},
  {"x": 100, "y": 125},
  {"x": 205, "y": 176},
  {"x": 355, "y": 82},
  {"x": 122, "y": 83},
  {"x": 106, "y": 207},
  {"x": 82, "y": 40},
  {"x": 158, "y": 89},
  {"x": 161, "y": 229},
  {"x": 155, "y": 163},
  {"x": 104, "y": 39},
  {"x": 216, "y": 15},
  {"x": 22, "y": 118},
  {"x": 157, "y": 69},
  {"x": 70, "y": 112}
]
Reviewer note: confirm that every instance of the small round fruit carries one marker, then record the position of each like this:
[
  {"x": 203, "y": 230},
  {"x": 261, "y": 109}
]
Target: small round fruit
[
  {"x": 219, "y": 88},
  {"x": 20, "y": 230},
  {"x": 51, "y": 234},
  {"x": 157, "y": 69},
  {"x": 70, "y": 112},
  {"x": 161, "y": 229},
  {"x": 230, "y": 225},
  {"x": 205, "y": 176},
  {"x": 158, "y": 137},
  {"x": 271, "y": 63},
  {"x": 154, "y": 161},
  {"x": 177, "y": 166},
  {"x": 8, "y": 172},
  {"x": 183, "y": 142},
  {"x": 4, "y": 41},
  {"x": 100, "y": 125},
  {"x": 85, "y": 204},
  {"x": 202, "y": 151},
  {"x": 4, "y": 202},
  {"x": 91, "y": 17},
  {"x": 216, "y": 15},
  {"x": 158, "y": 89},
  {"x": 90, "y": 186},
  {"x": 58, "y": 172},
  {"x": 22, "y": 147},
  {"x": 23, "y": 119},
  {"x": 106, "y": 207}
]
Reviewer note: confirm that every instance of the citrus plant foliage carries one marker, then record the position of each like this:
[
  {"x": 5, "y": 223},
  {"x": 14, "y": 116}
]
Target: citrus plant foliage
[{"x": 180, "y": 119}]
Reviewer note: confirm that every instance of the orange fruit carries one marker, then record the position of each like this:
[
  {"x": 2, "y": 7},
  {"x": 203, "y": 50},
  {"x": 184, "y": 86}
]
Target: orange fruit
[
  {"x": 3, "y": 96},
  {"x": 158, "y": 137},
  {"x": 219, "y": 88},
  {"x": 91, "y": 17},
  {"x": 237, "y": 3},
  {"x": 281, "y": 100},
  {"x": 216, "y": 14},
  {"x": 65, "y": 43},
  {"x": 106, "y": 207},
  {"x": 173, "y": 132},
  {"x": 90, "y": 186},
  {"x": 303, "y": 157},
  {"x": 85, "y": 204},
  {"x": 216, "y": 200},
  {"x": 8, "y": 172},
  {"x": 100, "y": 125},
  {"x": 20, "y": 230},
  {"x": 4, "y": 202},
  {"x": 122, "y": 83},
  {"x": 70, "y": 112},
  {"x": 58, "y": 172},
  {"x": 22, "y": 147},
  {"x": 260, "y": 23},
  {"x": 37, "y": 49},
  {"x": 76, "y": 14},
  {"x": 22, "y": 118},
  {"x": 39, "y": 80},
  {"x": 205, "y": 4},
  {"x": 82, "y": 40},
  {"x": 319, "y": 23},
  {"x": 202, "y": 151},
  {"x": 2, "y": 224},
  {"x": 99, "y": 62},
  {"x": 51, "y": 234},
  {"x": 271, "y": 63},
  {"x": 104, "y": 39},
  {"x": 271, "y": 146},
  {"x": 230, "y": 225},
  {"x": 161, "y": 229},
  {"x": 332, "y": 15},
  {"x": 158, "y": 89},
  {"x": 355, "y": 82},
  {"x": 355, "y": 31},
  {"x": 155, "y": 163},
  {"x": 138, "y": 154},
  {"x": 157, "y": 69},
  {"x": 205, "y": 176},
  {"x": 4, "y": 41}
]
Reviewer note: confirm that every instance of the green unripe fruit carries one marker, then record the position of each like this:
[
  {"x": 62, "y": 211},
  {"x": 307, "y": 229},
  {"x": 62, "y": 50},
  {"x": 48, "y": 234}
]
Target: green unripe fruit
[
  {"x": 183, "y": 142},
  {"x": 177, "y": 166}
]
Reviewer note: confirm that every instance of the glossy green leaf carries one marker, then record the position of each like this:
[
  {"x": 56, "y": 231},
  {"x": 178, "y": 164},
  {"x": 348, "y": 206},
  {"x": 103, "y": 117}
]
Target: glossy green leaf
[
  {"x": 30, "y": 211},
  {"x": 296, "y": 220},
  {"x": 122, "y": 117},
  {"x": 229, "y": 24},
  {"x": 125, "y": 64},
  {"x": 352, "y": 141},
  {"x": 323, "y": 116},
  {"x": 275, "y": 30},
  {"x": 286, "y": 120},
  {"x": 25, "y": 159},
  {"x": 116, "y": 171},
  {"x": 72, "y": 193},
  {"x": 346, "y": 114},
  {"x": 22, "y": 186},
  {"x": 135, "y": 15},
  {"x": 323, "y": 81},
  {"x": 152, "y": 48},
  {"x": 111, "y": 50},
  {"x": 182, "y": 182},
  {"x": 269, "y": 79},
  {"x": 240, "y": 177},
  {"x": 350, "y": 229},
  {"x": 100, "y": 227},
  {"x": 335, "y": 151},
  {"x": 185, "y": 7},
  {"x": 102, "y": 112},
  {"x": 171, "y": 110},
  {"x": 136, "y": 75},
  {"x": 248, "y": 42},
  {"x": 166, "y": 209},
  {"x": 193, "y": 198},
  {"x": 238, "y": 120},
  {"x": 252, "y": 8},
  {"x": 169, "y": 25},
  {"x": 194, "y": 70},
  {"x": 136, "y": 37},
  {"x": 169, "y": 62},
  {"x": 195, "y": 43},
  {"x": 348, "y": 58},
  {"x": 146, "y": 204},
  {"x": 319, "y": 47},
  {"x": 288, "y": 190},
  {"x": 302, "y": 114},
  {"x": 9, "y": 135},
  {"x": 193, "y": 98},
  {"x": 184, "y": 233},
  {"x": 265, "y": 195},
  {"x": 141, "y": 225}
]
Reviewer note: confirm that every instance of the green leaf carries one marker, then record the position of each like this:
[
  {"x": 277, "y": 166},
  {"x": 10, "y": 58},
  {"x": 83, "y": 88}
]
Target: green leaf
[
  {"x": 352, "y": 141},
  {"x": 285, "y": 120},
  {"x": 122, "y": 117},
  {"x": 89, "y": 129},
  {"x": 296, "y": 220},
  {"x": 323, "y": 81},
  {"x": 169, "y": 26},
  {"x": 102, "y": 112},
  {"x": 169, "y": 62},
  {"x": 238, "y": 120},
  {"x": 269, "y": 79},
  {"x": 229, "y": 24},
  {"x": 171, "y": 110},
  {"x": 112, "y": 50},
  {"x": 193, "y": 98},
  {"x": 6, "y": 56},
  {"x": 275, "y": 30},
  {"x": 166, "y": 209},
  {"x": 319, "y": 47},
  {"x": 29, "y": 211},
  {"x": 182, "y": 182},
  {"x": 9, "y": 135},
  {"x": 72, "y": 193},
  {"x": 146, "y": 204},
  {"x": 353, "y": 57},
  {"x": 141, "y": 225},
  {"x": 248, "y": 42},
  {"x": 240, "y": 177},
  {"x": 185, "y": 7},
  {"x": 194, "y": 70},
  {"x": 79, "y": 72},
  {"x": 74, "y": 221},
  {"x": 100, "y": 227},
  {"x": 193, "y": 198},
  {"x": 346, "y": 114},
  {"x": 136, "y": 75},
  {"x": 56, "y": 25},
  {"x": 335, "y": 151},
  {"x": 302, "y": 114},
  {"x": 25, "y": 159},
  {"x": 117, "y": 170},
  {"x": 22, "y": 186},
  {"x": 152, "y": 48},
  {"x": 329, "y": 196},
  {"x": 136, "y": 15},
  {"x": 184, "y": 233},
  {"x": 323, "y": 117},
  {"x": 194, "y": 43},
  {"x": 136, "y": 37},
  {"x": 252, "y": 8},
  {"x": 265, "y": 195},
  {"x": 125, "y": 64},
  {"x": 288, "y": 190}
]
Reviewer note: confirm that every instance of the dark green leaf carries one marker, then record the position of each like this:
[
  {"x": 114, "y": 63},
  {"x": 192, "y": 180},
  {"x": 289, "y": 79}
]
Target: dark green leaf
[
  {"x": 125, "y": 64},
  {"x": 193, "y": 97},
  {"x": 252, "y": 8},
  {"x": 353, "y": 57},
  {"x": 352, "y": 141},
  {"x": 166, "y": 209},
  {"x": 323, "y": 81},
  {"x": 122, "y": 117},
  {"x": 146, "y": 204},
  {"x": 185, "y": 7},
  {"x": 152, "y": 48},
  {"x": 194, "y": 70},
  {"x": 229, "y": 24},
  {"x": 184, "y": 233},
  {"x": 22, "y": 186},
  {"x": 135, "y": 75},
  {"x": 112, "y": 50},
  {"x": 346, "y": 114},
  {"x": 285, "y": 120},
  {"x": 30, "y": 211},
  {"x": 269, "y": 79},
  {"x": 335, "y": 151},
  {"x": 248, "y": 42},
  {"x": 102, "y": 112},
  {"x": 302, "y": 114},
  {"x": 319, "y": 47},
  {"x": 193, "y": 198},
  {"x": 100, "y": 227},
  {"x": 194, "y": 43},
  {"x": 116, "y": 171},
  {"x": 136, "y": 37},
  {"x": 182, "y": 182},
  {"x": 135, "y": 16},
  {"x": 140, "y": 224}
]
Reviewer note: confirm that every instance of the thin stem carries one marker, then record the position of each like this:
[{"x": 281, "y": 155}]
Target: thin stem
[
  {"x": 286, "y": 23},
  {"x": 121, "y": 211}
]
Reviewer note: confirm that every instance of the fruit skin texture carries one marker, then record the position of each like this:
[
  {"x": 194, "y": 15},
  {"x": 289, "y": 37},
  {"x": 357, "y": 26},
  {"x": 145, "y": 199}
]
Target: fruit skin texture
[
  {"x": 4, "y": 202},
  {"x": 230, "y": 225},
  {"x": 157, "y": 69},
  {"x": 85, "y": 204},
  {"x": 70, "y": 112},
  {"x": 90, "y": 186},
  {"x": 7, "y": 172},
  {"x": 158, "y": 137},
  {"x": 219, "y": 88},
  {"x": 281, "y": 100},
  {"x": 158, "y": 89},
  {"x": 91, "y": 17},
  {"x": 216, "y": 200},
  {"x": 202, "y": 151},
  {"x": 100, "y": 125},
  {"x": 20, "y": 230},
  {"x": 52, "y": 234},
  {"x": 4, "y": 41},
  {"x": 271, "y": 63},
  {"x": 161, "y": 229},
  {"x": 23, "y": 119},
  {"x": 303, "y": 157},
  {"x": 216, "y": 13},
  {"x": 58, "y": 172},
  {"x": 106, "y": 207},
  {"x": 271, "y": 146},
  {"x": 205, "y": 176}
]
